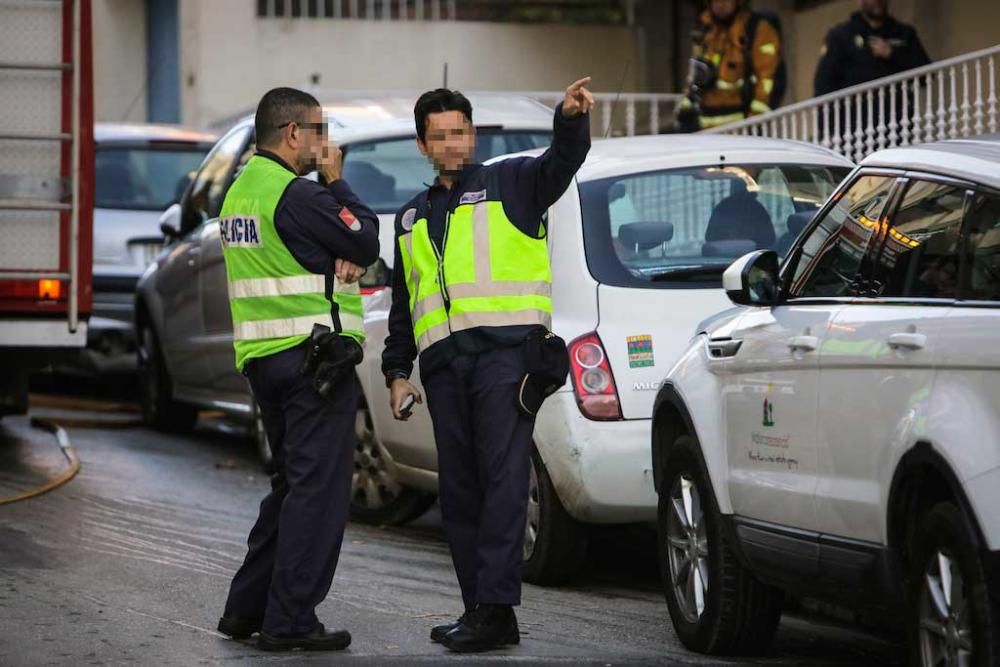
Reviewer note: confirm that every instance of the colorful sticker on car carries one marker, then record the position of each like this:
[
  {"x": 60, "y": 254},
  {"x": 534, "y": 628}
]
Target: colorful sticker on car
[{"x": 640, "y": 351}]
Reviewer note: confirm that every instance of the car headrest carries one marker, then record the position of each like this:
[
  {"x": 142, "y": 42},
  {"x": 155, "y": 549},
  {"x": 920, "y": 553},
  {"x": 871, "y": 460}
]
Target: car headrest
[
  {"x": 728, "y": 248},
  {"x": 798, "y": 221},
  {"x": 646, "y": 235}
]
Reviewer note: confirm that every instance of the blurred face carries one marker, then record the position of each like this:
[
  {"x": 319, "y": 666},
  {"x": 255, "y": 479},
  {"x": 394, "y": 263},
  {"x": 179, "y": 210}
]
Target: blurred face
[
  {"x": 312, "y": 140},
  {"x": 723, "y": 10},
  {"x": 449, "y": 141},
  {"x": 874, "y": 9}
]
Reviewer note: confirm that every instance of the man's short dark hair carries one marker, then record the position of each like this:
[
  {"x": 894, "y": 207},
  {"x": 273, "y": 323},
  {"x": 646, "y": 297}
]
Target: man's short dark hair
[
  {"x": 278, "y": 107},
  {"x": 438, "y": 101}
]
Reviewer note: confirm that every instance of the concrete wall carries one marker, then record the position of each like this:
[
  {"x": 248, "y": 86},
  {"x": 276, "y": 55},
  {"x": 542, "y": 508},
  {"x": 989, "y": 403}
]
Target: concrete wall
[
  {"x": 229, "y": 57},
  {"x": 119, "y": 60},
  {"x": 946, "y": 27}
]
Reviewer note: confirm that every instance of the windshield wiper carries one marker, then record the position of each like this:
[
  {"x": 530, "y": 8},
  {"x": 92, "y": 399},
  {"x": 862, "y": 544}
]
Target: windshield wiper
[{"x": 689, "y": 272}]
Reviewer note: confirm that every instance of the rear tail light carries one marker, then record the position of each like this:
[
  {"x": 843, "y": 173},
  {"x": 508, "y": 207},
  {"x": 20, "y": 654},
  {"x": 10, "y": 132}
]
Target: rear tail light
[
  {"x": 593, "y": 382},
  {"x": 31, "y": 290}
]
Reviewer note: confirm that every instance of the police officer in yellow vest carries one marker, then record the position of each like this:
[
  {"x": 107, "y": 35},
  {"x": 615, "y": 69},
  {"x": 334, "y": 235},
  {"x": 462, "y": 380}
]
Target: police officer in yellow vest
[
  {"x": 471, "y": 280},
  {"x": 294, "y": 249}
]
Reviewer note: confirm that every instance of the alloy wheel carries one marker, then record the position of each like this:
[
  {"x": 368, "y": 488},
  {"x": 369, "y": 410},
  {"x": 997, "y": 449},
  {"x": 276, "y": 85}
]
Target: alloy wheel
[
  {"x": 945, "y": 623},
  {"x": 687, "y": 546},
  {"x": 371, "y": 486},
  {"x": 534, "y": 515}
]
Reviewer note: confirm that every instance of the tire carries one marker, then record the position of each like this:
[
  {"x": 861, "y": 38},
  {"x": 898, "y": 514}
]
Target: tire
[
  {"x": 159, "y": 411},
  {"x": 555, "y": 544},
  {"x": 732, "y": 613},
  {"x": 259, "y": 435},
  {"x": 376, "y": 497},
  {"x": 956, "y": 624}
]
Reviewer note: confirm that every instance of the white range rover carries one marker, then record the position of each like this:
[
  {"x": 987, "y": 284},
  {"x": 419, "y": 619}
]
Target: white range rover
[{"x": 838, "y": 436}]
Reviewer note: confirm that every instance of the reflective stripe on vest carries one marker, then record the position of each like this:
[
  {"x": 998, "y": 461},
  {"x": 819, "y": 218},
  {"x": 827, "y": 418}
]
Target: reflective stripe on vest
[
  {"x": 274, "y": 300},
  {"x": 494, "y": 275}
]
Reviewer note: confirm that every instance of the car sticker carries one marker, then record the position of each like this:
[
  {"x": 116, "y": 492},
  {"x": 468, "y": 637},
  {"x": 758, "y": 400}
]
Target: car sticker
[{"x": 640, "y": 351}]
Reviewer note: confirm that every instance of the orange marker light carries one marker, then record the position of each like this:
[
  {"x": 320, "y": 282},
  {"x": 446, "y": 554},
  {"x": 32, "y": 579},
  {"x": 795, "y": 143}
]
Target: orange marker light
[{"x": 49, "y": 289}]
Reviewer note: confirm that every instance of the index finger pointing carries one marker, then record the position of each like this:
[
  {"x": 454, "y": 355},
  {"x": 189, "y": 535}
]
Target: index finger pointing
[{"x": 579, "y": 84}]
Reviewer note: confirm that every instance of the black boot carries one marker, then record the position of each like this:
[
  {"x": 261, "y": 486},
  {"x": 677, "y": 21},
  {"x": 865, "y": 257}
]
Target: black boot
[
  {"x": 238, "y": 627},
  {"x": 486, "y": 628},
  {"x": 317, "y": 640},
  {"x": 439, "y": 631}
]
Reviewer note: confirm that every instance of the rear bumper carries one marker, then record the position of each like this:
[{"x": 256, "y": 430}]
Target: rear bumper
[
  {"x": 602, "y": 471},
  {"x": 40, "y": 333}
]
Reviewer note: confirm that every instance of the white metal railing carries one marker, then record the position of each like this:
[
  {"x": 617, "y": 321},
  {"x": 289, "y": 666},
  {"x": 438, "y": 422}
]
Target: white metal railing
[
  {"x": 628, "y": 114},
  {"x": 947, "y": 100},
  {"x": 371, "y": 10}
]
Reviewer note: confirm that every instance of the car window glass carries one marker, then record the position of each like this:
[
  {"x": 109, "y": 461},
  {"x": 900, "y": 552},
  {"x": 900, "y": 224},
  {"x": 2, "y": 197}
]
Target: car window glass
[
  {"x": 386, "y": 174},
  {"x": 983, "y": 225},
  {"x": 143, "y": 178},
  {"x": 491, "y": 143},
  {"x": 918, "y": 254},
  {"x": 209, "y": 186},
  {"x": 832, "y": 253},
  {"x": 689, "y": 224}
]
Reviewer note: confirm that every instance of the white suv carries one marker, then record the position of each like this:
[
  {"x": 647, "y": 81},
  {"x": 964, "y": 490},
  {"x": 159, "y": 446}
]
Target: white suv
[{"x": 838, "y": 437}]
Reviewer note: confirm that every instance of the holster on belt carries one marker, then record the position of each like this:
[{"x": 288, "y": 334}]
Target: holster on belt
[{"x": 330, "y": 359}]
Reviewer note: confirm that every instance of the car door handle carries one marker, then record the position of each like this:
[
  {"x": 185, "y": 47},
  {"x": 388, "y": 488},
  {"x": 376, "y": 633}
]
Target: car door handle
[
  {"x": 803, "y": 343},
  {"x": 721, "y": 349},
  {"x": 910, "y": 341}
]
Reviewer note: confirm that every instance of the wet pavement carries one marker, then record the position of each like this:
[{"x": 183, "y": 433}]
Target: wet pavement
[{"x": 129, "y": 563}]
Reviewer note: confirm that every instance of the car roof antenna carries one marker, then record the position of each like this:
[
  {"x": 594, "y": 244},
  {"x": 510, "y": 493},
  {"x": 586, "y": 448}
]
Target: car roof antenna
[{"x": 614, "y": 107}]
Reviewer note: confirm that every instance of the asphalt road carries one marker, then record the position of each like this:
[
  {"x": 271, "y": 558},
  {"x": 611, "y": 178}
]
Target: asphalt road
[{"x": 129, "y": 563}]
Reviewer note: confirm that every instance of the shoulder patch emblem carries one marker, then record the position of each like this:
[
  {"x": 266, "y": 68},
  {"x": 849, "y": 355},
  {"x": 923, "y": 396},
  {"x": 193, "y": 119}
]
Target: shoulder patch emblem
[
  {"x": 859, "y": 41},
  {"x": 472, "y": 197},
  {"x": 350, "y": 220},
  {"x": 408, "y": 218}
]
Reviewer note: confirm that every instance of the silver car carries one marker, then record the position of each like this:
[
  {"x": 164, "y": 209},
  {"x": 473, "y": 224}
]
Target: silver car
[
  {"x": 182, "y": 315},
  {"x": 139, "y": 170}
]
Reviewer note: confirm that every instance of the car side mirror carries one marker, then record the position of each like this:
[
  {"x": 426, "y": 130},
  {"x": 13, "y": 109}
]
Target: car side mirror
[
  {"x": 752, "y": 280},
  {"x": 377, "y": 275},
  {"x": 170, "y": 222}
]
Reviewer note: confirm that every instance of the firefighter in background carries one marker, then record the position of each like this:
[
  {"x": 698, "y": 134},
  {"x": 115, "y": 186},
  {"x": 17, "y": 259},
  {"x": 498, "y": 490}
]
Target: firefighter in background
[{"x": 737, "y": 70}]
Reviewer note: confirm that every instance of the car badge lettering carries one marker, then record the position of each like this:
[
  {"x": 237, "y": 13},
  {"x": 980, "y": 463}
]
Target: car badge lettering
[
  {"x": 240, "y": 232},
  {"x": 472, "y": 197}
]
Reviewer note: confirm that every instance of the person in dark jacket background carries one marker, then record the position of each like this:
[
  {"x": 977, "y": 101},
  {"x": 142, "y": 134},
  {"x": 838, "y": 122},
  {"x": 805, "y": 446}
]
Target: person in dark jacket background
[{"x": 868, "y": 46}]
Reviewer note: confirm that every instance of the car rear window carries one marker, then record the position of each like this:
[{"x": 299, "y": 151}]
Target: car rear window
[
  {"x": 144, "y": 178},
  {"x": 683, "y": 227},
  {"x": 388, "y": 173}
]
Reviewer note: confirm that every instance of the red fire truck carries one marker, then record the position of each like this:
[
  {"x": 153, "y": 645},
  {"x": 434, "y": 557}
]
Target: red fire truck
[{"x": 46, "y": 188}]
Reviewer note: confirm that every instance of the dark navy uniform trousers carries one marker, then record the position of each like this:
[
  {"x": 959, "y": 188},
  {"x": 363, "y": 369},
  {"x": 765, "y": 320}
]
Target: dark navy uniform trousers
[
  {"x": 295, "y": 544},
  {"x": 484, "y": 447}
]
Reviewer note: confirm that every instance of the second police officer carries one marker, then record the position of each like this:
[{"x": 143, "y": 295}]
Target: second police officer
[
  {"x": 471, "y": 280},
  {"x": 293, "y": 250}
]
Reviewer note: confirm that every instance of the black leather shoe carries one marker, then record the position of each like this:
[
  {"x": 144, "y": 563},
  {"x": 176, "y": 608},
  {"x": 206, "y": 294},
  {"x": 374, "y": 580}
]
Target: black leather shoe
[
  {"x": 317, "y": 640},
  {"x": 486, "y": 628},
  {"x": 439, "y": 631},
  {"x": 238, "y": 627}
]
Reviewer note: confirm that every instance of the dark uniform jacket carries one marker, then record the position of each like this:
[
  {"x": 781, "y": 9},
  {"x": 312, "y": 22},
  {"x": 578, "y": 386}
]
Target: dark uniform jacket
[
  {"x": 847, "y": 60},
  {"x": 310, "y": 219},
  {"x": 527, "y": 187}
]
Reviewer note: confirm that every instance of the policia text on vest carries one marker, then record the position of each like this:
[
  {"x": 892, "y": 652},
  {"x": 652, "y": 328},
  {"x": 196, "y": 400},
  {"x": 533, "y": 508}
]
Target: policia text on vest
[
  {"x": 293, "y": 249},
  {"x": 471, "y": 281}
]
